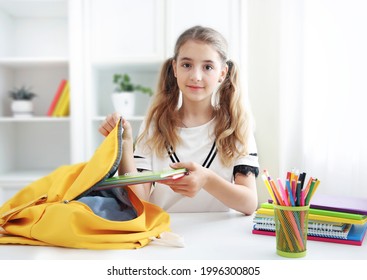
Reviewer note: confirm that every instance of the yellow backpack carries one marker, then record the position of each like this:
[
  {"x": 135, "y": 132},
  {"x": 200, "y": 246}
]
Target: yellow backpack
[{"x": 49, "y": 211}]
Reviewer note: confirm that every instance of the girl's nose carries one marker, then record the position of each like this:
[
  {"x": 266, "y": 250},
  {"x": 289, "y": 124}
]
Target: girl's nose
[{"x": 196, "y": 75}]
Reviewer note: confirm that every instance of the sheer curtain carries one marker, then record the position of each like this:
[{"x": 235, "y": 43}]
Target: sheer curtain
[{"x": 323, "y": 92}]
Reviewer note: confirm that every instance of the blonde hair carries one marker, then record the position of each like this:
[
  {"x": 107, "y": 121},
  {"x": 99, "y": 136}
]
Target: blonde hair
[{"x": 232, "y": 126}]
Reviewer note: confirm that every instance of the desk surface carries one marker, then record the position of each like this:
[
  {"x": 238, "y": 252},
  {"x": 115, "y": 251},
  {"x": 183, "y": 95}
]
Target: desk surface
[{"x": 207, "y": 236}]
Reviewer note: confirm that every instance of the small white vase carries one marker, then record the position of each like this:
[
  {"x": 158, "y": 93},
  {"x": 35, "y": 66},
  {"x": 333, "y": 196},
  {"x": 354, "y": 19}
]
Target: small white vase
[
  {"x": 124, "y": 103},
  {"x": 22, "y": 108}
]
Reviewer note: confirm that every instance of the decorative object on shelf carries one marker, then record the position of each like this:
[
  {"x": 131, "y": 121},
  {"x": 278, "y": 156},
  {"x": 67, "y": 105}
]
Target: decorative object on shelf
[
  {"x": 22, "y": 104},
  {"x": 52, "y": 109},
  {"x": 123, "y": 98},
  {"x": 62, "y": 108}
]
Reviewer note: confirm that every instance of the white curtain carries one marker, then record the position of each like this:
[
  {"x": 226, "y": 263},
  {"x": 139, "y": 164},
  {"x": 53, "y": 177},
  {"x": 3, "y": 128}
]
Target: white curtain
[{"x": 323, "y": 92}]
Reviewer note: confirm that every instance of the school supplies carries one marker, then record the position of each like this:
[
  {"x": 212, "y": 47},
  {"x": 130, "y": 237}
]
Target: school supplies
[
  {"x": 141, "y": 177},
  {"x": 291, "y": 202},
  {"x": 58, "y": 209},
  {"x": 355, "y": 235},
  {"x": 356, "y": 205},
  {"x": 323, "y": 225},
  {"x": 291, "y": 230},
  {"x": 293, "y": 192},
  {"x": 321, "y": 215}
]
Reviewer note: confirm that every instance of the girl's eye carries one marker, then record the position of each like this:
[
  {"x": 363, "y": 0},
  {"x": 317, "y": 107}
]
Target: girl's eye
[
  {"x": 185, "y": 65},
  {"x": 208, "y": 67}
]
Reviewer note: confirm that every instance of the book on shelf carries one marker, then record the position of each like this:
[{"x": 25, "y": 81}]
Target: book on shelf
[
  {"x": 62, "y": 106},
  {"x": 141, "y": 177},
  {"x": 56, "y": 98}
]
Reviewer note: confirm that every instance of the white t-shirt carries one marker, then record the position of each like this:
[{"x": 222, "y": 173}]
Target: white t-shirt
[{"x": 196, "y": 146}]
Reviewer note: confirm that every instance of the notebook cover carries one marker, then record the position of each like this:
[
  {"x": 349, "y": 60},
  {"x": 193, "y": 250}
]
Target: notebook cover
[
  {"x": 340, "y": 203},
  {"x": 141, "y": 177},
  {"x": 327, "y": 215}
]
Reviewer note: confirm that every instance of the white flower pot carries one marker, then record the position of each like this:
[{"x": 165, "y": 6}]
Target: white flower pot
[
  {"x": 124, "y": 103},
  {"x": 22, "y": 108}
]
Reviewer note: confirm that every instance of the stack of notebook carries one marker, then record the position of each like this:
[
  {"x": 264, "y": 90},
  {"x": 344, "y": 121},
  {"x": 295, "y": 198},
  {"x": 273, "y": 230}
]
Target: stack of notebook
[{"x": 331, "y": 219}]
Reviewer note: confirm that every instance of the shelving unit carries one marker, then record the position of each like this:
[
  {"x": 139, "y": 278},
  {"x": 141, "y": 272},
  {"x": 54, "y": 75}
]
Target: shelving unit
[
  {"x": 114, "y": 47},
  {"x": 33, "y": 53},
  {"x": 86, "y": 42}
]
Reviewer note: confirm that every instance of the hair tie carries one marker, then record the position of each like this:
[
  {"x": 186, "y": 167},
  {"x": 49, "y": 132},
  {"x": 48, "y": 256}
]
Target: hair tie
[{"x": 230, "y": 65}]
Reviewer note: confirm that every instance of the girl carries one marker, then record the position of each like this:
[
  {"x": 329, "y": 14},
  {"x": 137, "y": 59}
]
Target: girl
[{"x": 197, "y": 121}]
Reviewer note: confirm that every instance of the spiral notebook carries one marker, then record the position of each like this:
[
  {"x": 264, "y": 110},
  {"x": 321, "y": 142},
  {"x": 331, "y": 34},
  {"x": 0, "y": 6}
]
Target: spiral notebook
[
  {"x": 321, "y": 230},
  {"x": 355, "y": 237}
]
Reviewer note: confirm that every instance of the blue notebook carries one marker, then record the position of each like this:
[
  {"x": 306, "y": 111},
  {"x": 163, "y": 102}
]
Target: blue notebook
[{"x": 357, "y": 232}]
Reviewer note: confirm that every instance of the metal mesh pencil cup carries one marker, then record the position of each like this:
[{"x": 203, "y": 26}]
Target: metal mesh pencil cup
[{"x": 291, "y": 225}]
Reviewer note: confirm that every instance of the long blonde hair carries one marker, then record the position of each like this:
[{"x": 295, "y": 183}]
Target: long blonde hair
[{"x": 232, "y": 126}]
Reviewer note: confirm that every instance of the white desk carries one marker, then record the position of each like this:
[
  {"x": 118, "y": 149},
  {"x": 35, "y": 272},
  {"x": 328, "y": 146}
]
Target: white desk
[{"x": 208, "y": 236}]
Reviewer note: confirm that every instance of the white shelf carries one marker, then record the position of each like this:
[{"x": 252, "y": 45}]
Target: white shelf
[
  {"x": 21, "y": 62},
  {"x": 33, "y": 119},
  {"x": 133, "y": 63},
  {"x": 34, "y": 52},
  {"x": 13, "y": 178},
  {"x": 35, "y": 8},
  {"x": 132, "y": 118}
]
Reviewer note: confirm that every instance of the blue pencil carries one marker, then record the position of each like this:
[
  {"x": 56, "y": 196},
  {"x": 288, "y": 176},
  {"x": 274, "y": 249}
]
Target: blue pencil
[{"x": 290, "y": 195}]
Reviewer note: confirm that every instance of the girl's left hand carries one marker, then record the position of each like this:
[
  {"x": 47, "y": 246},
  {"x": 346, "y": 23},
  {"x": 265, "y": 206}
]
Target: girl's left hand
[{"x": 190, "y": 184}]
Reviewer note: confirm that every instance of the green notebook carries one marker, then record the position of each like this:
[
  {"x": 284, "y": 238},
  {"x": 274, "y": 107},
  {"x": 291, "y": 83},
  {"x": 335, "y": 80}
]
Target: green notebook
[
  {"x": 328, "y": 213},
  {"x": 141, "y": 177}
]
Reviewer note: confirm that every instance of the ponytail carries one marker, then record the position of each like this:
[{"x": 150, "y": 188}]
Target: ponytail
[
  {"x": 162, "y": 113},
  {"x": 167, "y": 81},
  {"x": 233, "y": 127}
]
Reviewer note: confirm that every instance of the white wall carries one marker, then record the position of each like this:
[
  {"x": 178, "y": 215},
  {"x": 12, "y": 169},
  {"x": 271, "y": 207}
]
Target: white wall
[{"x": 263, "y": 82}]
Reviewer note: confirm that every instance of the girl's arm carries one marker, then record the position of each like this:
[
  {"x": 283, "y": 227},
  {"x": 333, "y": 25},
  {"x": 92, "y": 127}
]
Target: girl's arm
[
  {"x": 240, "y": 195},
  {"x": 127, "y": 163}
]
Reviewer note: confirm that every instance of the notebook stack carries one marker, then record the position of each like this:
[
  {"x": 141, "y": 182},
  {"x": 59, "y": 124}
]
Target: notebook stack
[{"x": 331, "y": 219}]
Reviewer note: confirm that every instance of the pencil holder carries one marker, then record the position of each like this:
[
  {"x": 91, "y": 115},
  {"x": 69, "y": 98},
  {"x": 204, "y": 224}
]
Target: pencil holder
[{"x": 291, "y": 225}]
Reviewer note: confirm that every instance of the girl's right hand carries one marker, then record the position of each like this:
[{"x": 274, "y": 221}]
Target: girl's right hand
[{"x": 110, "y": 122}]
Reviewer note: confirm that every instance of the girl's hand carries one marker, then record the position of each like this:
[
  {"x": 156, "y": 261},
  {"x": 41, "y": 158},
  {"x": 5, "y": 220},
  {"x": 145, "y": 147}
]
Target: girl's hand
[
  {"x": 110, "y": 122},
  {"x": 190, "y": 184}
]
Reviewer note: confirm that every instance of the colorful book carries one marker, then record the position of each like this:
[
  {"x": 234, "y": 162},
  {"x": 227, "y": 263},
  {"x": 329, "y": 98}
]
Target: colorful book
[
  {"x": 321, "y": 215},
  {"x": 56, "y": 97},
  {"x": 355, "y": 236},
  {"x": 141, "y": 177},
  {"x": 265, "y": 220},
  {"x": 341, "y": 233},
  {"x": 62, "y": 102},
  {"x": 355, "y": 205},
  {"x": 65, "y": 105},
  {"x": 318, "y": 225}
]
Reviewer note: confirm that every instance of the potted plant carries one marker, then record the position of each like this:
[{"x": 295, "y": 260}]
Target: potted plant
[
  {"x": 22, "y": 101},
  {"x": 123, "y": 98}
]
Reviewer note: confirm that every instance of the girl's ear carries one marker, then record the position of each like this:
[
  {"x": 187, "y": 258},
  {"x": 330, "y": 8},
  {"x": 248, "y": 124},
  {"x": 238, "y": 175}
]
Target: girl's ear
[
  {"x": 174, "y": 66},
  {"x": 223, "y": 73}
]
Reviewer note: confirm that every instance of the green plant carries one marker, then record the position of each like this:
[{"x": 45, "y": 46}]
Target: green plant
[
  {"x": 22, "y": 93},
  {"x": 123, "y": 83}
]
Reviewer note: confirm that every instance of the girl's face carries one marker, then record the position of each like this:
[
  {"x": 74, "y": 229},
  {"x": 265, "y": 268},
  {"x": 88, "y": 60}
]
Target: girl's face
[{"x": 198, "y": 70}]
